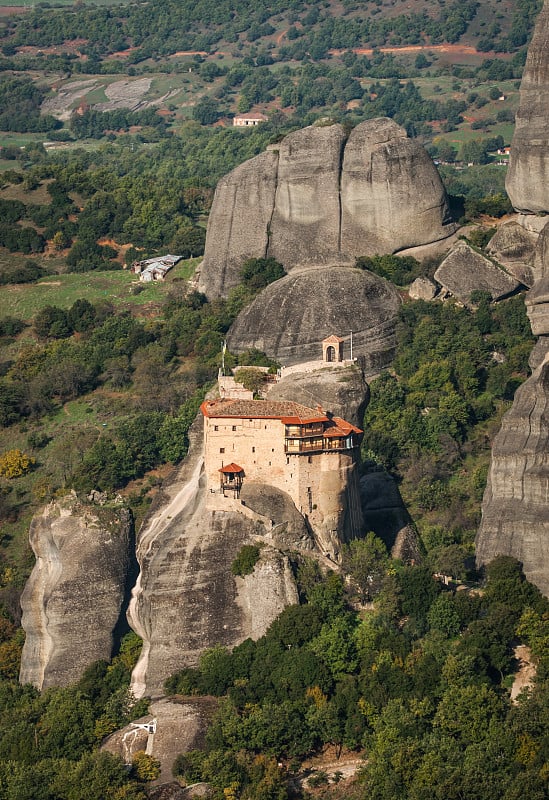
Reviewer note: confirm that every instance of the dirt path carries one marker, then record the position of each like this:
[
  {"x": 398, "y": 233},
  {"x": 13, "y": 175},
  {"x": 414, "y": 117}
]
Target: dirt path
[
  {"x": 455, "y": 49},
  {"x": 524, "y": 678}
]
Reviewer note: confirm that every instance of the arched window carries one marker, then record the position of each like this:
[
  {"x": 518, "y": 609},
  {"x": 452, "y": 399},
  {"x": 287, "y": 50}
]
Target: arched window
[{"x": 330, "y": 353}]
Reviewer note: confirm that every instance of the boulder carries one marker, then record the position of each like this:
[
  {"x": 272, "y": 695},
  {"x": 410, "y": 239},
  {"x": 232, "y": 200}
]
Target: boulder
[
  {"x": 74, "y": 596},
  {"x": 304, "y": 227},
  {"x": 513, "y": 246},
  {"x": 314, "y": 200},
  {"x": 527, "y": 181},
  {"x": 391, "y": 193},
  {"x": 422, "y": 289},
  {"x": 515, "y": 513},
  {"x": 238, "y": 225},
  {"x": 464, "y": 271},
  {"x": 289, "y": 319},
  {"x": 341, "y": 390}
]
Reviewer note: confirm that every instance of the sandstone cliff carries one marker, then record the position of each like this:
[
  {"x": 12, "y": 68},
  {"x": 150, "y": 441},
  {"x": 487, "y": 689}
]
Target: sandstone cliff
[
  {"x": 515, "y": 509},
  {"x": 74, "y": 596},
  {"x": 528, "y": 177},
  {"x": 186, "y": 598},
  {"x": 291, "y": 317},
  {"x": 315, "y": 200}
]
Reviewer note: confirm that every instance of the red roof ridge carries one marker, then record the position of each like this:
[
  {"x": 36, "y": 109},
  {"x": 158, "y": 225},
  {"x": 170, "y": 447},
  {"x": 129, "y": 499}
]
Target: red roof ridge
[{"x": 231, "y": 468}]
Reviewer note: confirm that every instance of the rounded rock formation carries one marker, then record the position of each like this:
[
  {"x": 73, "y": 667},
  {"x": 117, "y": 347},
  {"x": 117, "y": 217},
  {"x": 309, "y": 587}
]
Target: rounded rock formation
[
  {"x": 74, "y": 596},
  {"x": 291, "y": 317},
  {"x": 314, "y": 199}
]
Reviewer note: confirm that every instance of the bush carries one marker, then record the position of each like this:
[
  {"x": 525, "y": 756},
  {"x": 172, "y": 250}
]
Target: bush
[
  {"x": 247, "y": 558},
  {"x": 14, "y": 463}
]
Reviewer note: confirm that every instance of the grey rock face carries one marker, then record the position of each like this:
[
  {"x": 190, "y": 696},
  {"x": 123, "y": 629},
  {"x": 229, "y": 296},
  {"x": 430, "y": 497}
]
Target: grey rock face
[
  {"x": 513, "y": 246},
  {"x": 528, "y": 176},
  {"x": 238, "y": 225},
  {"x": 515, "y": 511},
  {"x": 74, "y": 596},
  {"x": 290, "y": 529},
  {"x": 312, "y": 200},
  {"x": 385, "y": 514},
  {"x": 540, "y": 265},
  {"x": 291, "y": 317},
  {"x": 305, "y": 222},
  {"x": 537, "y": 307},
  {"x": 464, "y": 270},
  {"x": 186, "y": 598},
  {"x": 422, "y": 289},
  {"x": 391, "y": 193},
  {"x": 341, "y": 390}
]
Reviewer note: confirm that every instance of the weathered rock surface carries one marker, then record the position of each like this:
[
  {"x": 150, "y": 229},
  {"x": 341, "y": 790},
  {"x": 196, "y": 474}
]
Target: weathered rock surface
[
  {"x": 312, "y": 200},
  {"x": 74, "y": 596},
  {"x": 540, "y": 265},
  {"x": 391, "y": 193},
  {"x": 527, "y": 181},
  {"x": 291, "y": 317},
  {"x": 537, "y": 307},
  {"x": 464, "y": 271},
  {"x": 290, "y": 529},
  {"x": 181, "y": 725},
  {"x": 422, "y": 289},
  {"x": 239, "y": 222},
  {"x": 186, "y": 598},
  {"x": 515, "y": 508},
  {"x": 513, "y": 246},
  {"x": 386, "y": 515},
  {"x": 305, "y": 222},
  {"x": 341, "y": 390}
]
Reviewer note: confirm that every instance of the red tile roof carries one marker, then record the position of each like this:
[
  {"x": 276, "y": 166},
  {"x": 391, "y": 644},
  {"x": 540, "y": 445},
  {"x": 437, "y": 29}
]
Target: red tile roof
[
  {"x": 231, "y": 468},
  {"x": 284, "y": 410}
]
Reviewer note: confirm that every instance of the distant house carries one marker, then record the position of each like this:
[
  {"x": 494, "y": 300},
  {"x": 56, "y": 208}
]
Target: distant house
[
  {"x": 154, "y": 269},
  {"x": 244, "y": 120}
]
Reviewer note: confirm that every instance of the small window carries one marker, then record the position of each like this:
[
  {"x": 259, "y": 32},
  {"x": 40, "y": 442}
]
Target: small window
[
  {"x": 272, "y": 450},
  {"x": 310, "y": 459},
  {"x": 216, "y": 427},
  {"x": 234, "y": 427},
  {"x": 287, "y": 460},
  {"x": 269, "y": 463},
  {"x": 253, "y": 449},
  {"x": 221, "y": 449}
]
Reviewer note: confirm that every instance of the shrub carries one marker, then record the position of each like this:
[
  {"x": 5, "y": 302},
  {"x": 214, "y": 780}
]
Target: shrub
[
  {"x": 14, "y": 463},
  {"x": 247, "y": 558}
]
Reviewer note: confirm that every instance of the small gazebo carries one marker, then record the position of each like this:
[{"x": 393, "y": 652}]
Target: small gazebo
[
  {"x": 332, "y": 349},
  {"x": 231, "y": 478}
]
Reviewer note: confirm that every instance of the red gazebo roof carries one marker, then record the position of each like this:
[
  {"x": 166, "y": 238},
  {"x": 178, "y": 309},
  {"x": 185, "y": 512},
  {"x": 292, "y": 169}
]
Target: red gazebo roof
[{"x": 231, "y": 468}]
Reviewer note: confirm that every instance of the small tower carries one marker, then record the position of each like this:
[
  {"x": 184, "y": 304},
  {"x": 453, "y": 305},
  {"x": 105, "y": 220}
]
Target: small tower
[{"x": 332, "y": 349}]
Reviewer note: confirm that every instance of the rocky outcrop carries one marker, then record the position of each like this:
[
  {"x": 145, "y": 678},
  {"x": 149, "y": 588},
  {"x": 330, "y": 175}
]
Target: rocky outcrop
[
  {"x": 239, "y": 222},
  {"x": 342, "y": 390},
  {"x": 422, "y": 289},
  {"x": 386, "y": 515},
  {"x": 291, "y": 317},
  {"x": 537, "y": 307},
  {"x": 527, "y": 181},
  {"x": 391, "y": 193},
  {"x": 513, "y": 246},
  {"x": 186, "y": 598},
  {"x": 315, "y": 200},
  {"x": 464, "y": 271},
  {"x": 74, "y": 596},
  {"x": 305, "y": 223},
  {"x": 540, "y": 263},
  {"x": 178, "y": 725},
  {"x": 515, "y": 508},
  {"x": 289, "y": 530}
]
